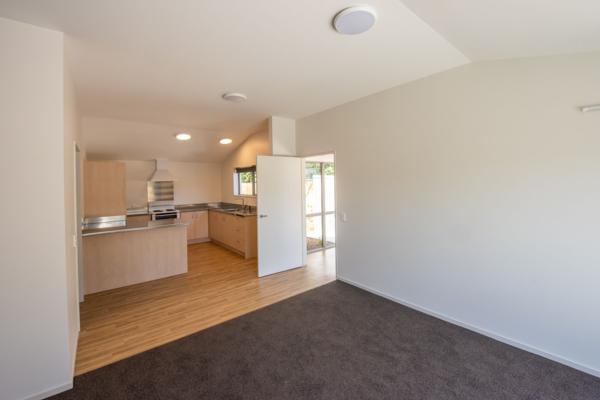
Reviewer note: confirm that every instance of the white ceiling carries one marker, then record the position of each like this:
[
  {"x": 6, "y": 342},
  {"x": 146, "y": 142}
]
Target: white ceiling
[
  {"x": 146, "y": 69},
  {"x": 114, "y": 139},
  {"x": 496, "y": 29},
  {"x": 166, "y": 63}
]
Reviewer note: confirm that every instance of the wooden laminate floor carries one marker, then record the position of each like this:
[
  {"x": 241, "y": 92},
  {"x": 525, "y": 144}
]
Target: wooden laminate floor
[{"x": 219, "y": 286}]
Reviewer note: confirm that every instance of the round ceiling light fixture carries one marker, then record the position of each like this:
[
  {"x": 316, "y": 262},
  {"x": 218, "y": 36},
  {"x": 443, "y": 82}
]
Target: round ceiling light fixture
[
  {"x": 183, "y": 136},
  {"x": 225, "y": 141},
  {"x": 354, "y": 20},
  {"x": 235, "y": 97}
]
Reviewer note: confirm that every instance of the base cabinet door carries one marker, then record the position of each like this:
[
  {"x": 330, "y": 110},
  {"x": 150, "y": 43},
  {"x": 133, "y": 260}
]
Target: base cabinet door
[
  {"x": 233, "y": 232},
  {"x": 197, "y": 226},
  {"x": 201, "y": 225},
  {"x": 213, "y": 225},
  {"x": 188, "y": 218}
]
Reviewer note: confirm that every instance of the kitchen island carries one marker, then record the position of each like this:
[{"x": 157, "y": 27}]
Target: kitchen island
[{"x": 117, "y": 255}]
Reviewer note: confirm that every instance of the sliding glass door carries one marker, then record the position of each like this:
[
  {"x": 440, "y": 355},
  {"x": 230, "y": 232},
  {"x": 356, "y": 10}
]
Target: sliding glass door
[{"x": 320, "y": 205}]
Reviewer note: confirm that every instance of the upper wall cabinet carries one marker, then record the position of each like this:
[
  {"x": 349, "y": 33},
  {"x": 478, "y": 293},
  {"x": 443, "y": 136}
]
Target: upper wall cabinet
[{"x": 104, "y": 188}]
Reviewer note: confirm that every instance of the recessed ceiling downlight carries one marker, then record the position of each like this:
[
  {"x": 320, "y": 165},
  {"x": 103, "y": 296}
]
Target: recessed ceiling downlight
[
  {"x": 354, "y": 20},
  {"x": 235, "y": 97},
  {"x": 225, "y": 141},
  {"x": 183, "y": 136}
]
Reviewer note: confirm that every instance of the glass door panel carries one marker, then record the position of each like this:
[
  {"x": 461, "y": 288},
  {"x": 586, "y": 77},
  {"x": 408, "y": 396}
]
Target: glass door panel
[
  {"x": 312, "y": 182},
  {"x": 319, "y": 181},
  {"x": 314, "y": 233}
]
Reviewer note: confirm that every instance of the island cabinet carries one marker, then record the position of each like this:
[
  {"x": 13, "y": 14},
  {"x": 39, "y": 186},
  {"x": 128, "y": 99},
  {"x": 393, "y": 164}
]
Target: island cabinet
[
  {"x": 236, "y": 233},
  {"x": 133, "y": 254},
  {"x": 104, "y": 189},
  {"x": 197, "y": 226}
]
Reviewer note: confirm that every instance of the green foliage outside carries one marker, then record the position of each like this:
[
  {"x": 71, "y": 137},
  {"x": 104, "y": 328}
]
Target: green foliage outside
[
  {"x": 246, "y": 177},
  {"x": 314, "y": 168}
]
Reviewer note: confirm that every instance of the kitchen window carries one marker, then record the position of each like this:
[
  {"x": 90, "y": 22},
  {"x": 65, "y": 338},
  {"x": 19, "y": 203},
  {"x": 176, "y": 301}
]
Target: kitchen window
[{"x": 244, "y": 181}]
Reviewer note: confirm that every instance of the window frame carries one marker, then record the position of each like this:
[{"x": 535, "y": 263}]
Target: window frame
[{"x": 237, "y": 183}]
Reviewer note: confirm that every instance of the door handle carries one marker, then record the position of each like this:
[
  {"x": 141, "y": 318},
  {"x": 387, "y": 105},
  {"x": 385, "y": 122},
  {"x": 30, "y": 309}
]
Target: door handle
[{"x": 263, "y": 216}]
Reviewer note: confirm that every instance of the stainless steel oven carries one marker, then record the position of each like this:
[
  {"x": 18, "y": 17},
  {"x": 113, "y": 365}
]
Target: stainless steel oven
[{"x": 158, "y": 215}]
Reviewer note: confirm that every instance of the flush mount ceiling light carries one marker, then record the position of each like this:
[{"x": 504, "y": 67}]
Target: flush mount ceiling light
[
  {"x": 354, "y": 20},
  {"x": 183, "y": 136},
  {"x": 225, "y": 141},
  {"x": 235, "y": 97}
]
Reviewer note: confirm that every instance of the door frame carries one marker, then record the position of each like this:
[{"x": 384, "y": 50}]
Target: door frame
[
  {"x": 323, "y": 213},
  {"x": 78, "y": 211},
  {"x": 337, "y": 199}
]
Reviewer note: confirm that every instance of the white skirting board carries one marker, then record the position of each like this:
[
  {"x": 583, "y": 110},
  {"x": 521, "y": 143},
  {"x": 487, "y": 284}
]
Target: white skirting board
[
  {"x": 500, "y": 338},
  {"x": 50, "y": 392},
  {"x": 58, "y": 389}
]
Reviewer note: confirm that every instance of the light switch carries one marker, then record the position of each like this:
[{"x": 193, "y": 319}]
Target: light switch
[{"x": 344, "y": 216}]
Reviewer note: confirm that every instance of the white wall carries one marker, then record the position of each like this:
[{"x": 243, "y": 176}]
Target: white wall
[
  {"x": 34, "y": 336},
  {"x": 244, "y": 156},
  {"x": 475, "y": 194},
  {"x": 194, "y": 182},
  {"x": 282, "y": 135}
]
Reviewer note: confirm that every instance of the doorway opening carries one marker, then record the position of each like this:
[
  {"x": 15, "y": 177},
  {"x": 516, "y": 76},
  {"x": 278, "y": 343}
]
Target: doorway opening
[{"x": 319, "y": 187}]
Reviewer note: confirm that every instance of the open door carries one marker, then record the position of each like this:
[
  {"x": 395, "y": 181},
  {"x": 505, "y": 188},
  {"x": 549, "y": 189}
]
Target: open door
[{"x": 279, "y": 206}]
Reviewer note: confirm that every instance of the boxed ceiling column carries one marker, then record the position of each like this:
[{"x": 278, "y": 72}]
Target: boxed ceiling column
[{"x": 282, "y": 135}]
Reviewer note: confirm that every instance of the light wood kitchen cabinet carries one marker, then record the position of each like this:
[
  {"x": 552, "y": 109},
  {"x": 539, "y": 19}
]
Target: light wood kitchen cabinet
[
  {"x": 126, "y": 258},
  {"x": 233, "y": 232},
  {"x": 216, "y": 221},
  {"x": 138, "y": 218},
  {"x": 197, "y": 229},
  {"x": 104, "y": 188}
]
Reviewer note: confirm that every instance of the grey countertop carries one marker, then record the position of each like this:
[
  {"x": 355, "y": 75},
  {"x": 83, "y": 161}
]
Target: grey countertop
[
  {"x": 235, "y": 212},
  {"x": 132, "y": 226},
  {"x": 228, "y": 208},
  {"x": 196, "y": 207}
]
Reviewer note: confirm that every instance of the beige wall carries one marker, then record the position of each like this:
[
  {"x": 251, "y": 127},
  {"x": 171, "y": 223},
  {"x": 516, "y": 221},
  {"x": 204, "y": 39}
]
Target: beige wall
[
  {"x": 34, "y": 338},
  {"x": 194, "y": 182},
  {"x": 474, "y": 194},
  {"x": 243, "y": 156}
]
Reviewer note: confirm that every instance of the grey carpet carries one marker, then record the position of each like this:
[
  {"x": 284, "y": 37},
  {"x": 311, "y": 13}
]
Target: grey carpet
[{"x": 335, "y": 342}]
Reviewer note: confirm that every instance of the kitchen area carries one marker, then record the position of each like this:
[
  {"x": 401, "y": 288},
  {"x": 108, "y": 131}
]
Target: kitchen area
[
  {"x": 124, "y": 245},
  {"x": 169, "y": 245}
]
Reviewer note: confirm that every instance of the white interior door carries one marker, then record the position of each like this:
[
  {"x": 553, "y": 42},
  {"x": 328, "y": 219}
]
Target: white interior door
[{"x": 279, "y": 207}]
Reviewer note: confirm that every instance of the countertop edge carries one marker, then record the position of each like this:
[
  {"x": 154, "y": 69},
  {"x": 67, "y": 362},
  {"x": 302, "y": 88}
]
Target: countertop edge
[{"x": 132, "y": 229}]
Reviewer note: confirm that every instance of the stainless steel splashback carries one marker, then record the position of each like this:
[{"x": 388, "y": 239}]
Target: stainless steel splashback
[{"x": 161, "y": 191}]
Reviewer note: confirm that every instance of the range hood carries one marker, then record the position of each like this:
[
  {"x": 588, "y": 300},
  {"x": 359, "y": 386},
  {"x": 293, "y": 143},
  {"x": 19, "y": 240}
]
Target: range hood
[{"x": 162, "y": 174}]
